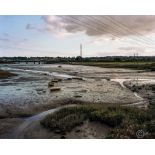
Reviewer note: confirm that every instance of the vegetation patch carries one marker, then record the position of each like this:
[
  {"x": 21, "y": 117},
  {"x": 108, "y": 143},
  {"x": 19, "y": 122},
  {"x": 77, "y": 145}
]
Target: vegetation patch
[
  {"x": 67, "y": 118},
  {"x": 111, "y": 118},
  {"x": 150, "y": 66},
  {"x": 124, "y": 121},
  {"x": 138, "y": 119}
]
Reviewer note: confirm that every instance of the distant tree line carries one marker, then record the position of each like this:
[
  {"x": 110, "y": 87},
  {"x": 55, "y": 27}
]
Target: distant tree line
[{"x": 49, "y": 60}]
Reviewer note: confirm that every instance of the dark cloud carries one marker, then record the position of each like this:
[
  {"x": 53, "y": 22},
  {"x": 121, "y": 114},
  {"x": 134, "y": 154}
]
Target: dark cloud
[{"x": 116, "y": 26}]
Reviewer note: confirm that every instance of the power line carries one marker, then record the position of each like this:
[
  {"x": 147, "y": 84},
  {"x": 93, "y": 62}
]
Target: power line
[
  {"x": 123, "y": 26},
  {"x": 99, "y": 30},
  {"x": 84, "y": 24},
  {"x": 104, "y": 26},
  {"x": 87, "y": 25},
  {"x": 139, "y": 41}
]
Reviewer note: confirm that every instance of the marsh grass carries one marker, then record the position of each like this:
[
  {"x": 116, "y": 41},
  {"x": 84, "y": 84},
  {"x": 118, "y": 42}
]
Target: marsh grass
[
  {"x": 67, "y": 118},
  {"x": 138, "y": 119},
  {"x": 130, "y": 65},
  {"x": 124, "y": 121}
]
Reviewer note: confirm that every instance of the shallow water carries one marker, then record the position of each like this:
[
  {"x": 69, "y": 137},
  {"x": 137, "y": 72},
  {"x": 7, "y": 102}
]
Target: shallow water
[{"x": 30, "y": 86}]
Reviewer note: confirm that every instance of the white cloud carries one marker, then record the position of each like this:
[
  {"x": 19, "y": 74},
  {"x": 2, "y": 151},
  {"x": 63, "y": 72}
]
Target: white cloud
[{"x": 52, "y": 24}]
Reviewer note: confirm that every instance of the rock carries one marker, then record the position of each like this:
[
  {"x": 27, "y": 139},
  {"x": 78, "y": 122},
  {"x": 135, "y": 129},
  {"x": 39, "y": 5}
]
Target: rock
[
  {"x": 59, "y": 79},
  {"x": 74, "y": 73},
  {"x": 63, "y": 137},
  {"x": 83, "y": 91},
  {"x": 57, "y": 131},
  {"x": 78, "y": 130},
  {"x": 78, "y": 96},
  {"x": 51, "y": 84},
  {"x": 54, "y": 80},
  {"x": 39, "y": 89},
  {"x": 77, "y": 78},
  {"x": 55, "y": 89},
  {"x": 107, "y": 78},
  {"x": 59, "y": 66},
  {"x": 68, "y": 78}
]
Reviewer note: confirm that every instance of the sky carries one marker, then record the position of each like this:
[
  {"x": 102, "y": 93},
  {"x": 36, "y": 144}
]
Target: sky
[{"x": 54, "y": 36}]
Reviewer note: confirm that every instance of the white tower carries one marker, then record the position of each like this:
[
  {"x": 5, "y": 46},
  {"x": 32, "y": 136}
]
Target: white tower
[{"x": 81, "y": 50}]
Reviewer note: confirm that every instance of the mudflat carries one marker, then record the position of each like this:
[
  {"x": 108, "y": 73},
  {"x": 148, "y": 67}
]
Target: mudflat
[{"x": 28, "y": 94}]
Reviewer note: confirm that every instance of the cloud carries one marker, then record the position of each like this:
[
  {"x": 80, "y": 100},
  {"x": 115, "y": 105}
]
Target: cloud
[
  {"x": 105, "y": 26},
  {"x": 28, "y": 27},
  {"x": 53, "y": 24},
  {"x": 4, "y": 39},
  {"x": 31, "y": 27}
]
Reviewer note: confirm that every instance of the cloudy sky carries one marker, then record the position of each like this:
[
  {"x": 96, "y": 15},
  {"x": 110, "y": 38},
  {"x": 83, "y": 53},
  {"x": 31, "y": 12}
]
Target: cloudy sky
[{"x": 62, "y": 35}]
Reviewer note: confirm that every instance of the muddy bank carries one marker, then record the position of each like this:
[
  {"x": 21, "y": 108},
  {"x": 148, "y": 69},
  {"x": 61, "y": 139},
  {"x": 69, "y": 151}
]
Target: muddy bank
[
  {"x": 8, "y": 125},
  {"x": 30, "y": 128},
  {"x": 145, "y": 88},
  {"x": 6, "y": 74},
  {"x": 140, "y": 88},
  {"x": 86, "y": 130}
]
